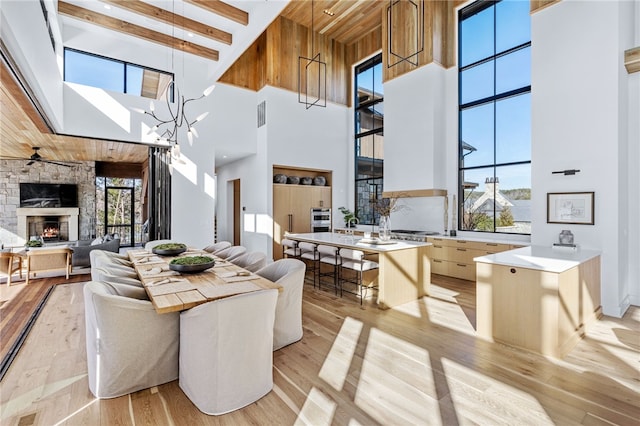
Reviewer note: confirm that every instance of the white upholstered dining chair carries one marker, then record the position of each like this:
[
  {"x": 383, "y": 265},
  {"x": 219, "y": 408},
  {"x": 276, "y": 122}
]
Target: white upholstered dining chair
[
  {"x": 226, "y": 358},
  {"x": 129, "y": 345},
  {"x": 289, "y": 273},
  {"x": 231, "y": 253},
  {"x": 220, "y": 245},
  {"x": 251, "y": 261},
  {"x": 103, "y": 274}
]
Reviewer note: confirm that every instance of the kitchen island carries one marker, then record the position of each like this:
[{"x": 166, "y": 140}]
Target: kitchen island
[
  {"x": 404, "y": 273},
  {"x": 537, "y": 298}
]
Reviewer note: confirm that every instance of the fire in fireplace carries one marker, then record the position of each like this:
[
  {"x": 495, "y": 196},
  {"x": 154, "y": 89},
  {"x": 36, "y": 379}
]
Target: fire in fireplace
[{"x": 50, "y": 230}]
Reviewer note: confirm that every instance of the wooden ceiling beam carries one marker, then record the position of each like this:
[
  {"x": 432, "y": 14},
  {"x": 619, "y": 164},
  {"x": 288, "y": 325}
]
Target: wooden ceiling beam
[
  {"x": 170, "y": 18},
  {"x": 223, "y": 9},
  {"x": 128, "y": 28}
]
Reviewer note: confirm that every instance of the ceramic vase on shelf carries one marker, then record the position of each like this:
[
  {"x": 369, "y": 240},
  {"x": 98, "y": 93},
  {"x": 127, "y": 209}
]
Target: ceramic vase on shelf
[
  {"x": 565, "y": 237},
  {"x": 384, "y": 230}
]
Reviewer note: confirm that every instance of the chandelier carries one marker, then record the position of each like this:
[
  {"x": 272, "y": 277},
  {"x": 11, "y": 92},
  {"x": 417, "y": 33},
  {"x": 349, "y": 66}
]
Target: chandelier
[
  {"x": 312, "y": 76},
  {"x": 168, "y": 128}
]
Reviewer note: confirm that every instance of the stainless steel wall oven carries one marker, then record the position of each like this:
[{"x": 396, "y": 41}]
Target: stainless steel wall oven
[{"x": 320, "y": 220}]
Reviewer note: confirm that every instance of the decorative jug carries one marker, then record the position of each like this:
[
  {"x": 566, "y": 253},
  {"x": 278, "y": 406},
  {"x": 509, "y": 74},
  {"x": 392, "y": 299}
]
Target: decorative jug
[{"x": 566, "y": 237}]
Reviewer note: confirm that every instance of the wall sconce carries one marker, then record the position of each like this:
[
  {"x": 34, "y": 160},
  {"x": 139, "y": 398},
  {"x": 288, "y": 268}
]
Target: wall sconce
[
  {"x": 569, "y": 172},
  {"x": 399, "y": 13}
]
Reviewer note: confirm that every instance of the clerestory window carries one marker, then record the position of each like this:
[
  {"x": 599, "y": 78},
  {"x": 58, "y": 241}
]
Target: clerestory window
[{"x": 114, "y": 75}]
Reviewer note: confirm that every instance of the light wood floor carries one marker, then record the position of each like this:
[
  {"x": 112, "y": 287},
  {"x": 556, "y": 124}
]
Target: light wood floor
[{"x": 417, "y": 364}]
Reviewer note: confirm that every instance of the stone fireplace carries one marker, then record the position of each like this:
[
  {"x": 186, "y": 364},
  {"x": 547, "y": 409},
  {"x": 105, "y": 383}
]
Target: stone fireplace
[{"x": 52, "y": 224}]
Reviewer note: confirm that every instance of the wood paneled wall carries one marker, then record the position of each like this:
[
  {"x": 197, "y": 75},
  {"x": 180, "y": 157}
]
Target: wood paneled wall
[
  {"x": 541, "y": 4},
  {"x": 438, "y": 37},
  {"x": 273, "y": 59}
]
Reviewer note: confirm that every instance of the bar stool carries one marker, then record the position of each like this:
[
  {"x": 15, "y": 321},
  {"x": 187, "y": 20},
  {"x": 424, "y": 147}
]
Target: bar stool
[
  {"x": 329, "y": 255},
  {"x": 355, "y": 260},
  {"x": 290, "y": 249},
  {"x": 309, "y": 255}
]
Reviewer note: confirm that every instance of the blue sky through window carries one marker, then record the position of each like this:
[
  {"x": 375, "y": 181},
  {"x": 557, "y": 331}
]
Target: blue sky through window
[{"x": 500, "y": 130}]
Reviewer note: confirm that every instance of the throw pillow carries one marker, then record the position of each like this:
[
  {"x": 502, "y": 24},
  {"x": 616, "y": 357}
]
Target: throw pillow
[{"x": 96, "y": 241}]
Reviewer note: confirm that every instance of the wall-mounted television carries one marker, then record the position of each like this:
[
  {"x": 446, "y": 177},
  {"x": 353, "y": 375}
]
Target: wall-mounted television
[{"x": 48, "y": 195}]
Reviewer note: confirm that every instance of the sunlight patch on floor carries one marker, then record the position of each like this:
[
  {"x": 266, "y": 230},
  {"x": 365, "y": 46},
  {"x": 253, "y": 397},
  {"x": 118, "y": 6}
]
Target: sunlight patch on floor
[
  {"x": 21, "y": 402},
  {"x": 471, "y": 392},
  {"x": 318, "y": 410},
  {"x": 336, "y": 365},
  {"x": 396, "y": 383}
]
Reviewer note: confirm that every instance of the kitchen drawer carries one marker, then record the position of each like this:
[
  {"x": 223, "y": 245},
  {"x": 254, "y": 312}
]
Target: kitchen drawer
[
  {"x": 463, "y": 254},
  {"x": 440, "y": 267},
  {"x": 465, "y": 271},
  {"x": 438, "y": 251}
]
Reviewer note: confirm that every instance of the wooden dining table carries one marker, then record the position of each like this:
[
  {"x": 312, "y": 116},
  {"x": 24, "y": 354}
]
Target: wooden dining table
[{"x": 171, "y": 291}]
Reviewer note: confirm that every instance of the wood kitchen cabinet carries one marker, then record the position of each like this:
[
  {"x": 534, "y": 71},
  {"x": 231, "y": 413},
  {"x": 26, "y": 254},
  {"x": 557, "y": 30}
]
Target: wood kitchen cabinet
[
  {"x": 454, "y": 257},
  {"x": 537, "y": 298},
  {"x": 292, "y": 204}
]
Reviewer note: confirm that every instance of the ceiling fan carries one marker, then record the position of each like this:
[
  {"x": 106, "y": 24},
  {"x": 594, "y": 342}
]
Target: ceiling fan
[{"x": 37, "y": 158}]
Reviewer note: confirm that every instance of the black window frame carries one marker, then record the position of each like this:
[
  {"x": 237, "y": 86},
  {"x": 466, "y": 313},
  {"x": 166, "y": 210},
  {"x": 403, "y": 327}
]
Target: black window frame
[
  {"x": 124, "y": 67},
  {"x": 465, "y": 13},
  {"x": 375, "y": 180}
]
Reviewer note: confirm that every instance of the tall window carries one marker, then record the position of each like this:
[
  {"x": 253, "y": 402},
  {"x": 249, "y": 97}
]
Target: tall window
[
  {"x": 369, "y": 138},
  {"x": 495, "y": 117},
  {"x": 117, "y": 76}
]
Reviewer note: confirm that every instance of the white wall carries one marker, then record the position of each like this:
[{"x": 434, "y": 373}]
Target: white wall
[
  {"x": 94, "y": 112},
  {"x": 24, "y": 32},
  {"x": 415, "y": 130},
  {"x": 634, "y": 171},
  {"x": 579, "y": 121},
  {"x": 317, "y": 138}
]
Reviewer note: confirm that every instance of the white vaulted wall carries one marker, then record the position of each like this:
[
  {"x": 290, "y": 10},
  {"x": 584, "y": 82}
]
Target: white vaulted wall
[
  {"x": 318, "y": 138},
  {"x": 580, "y": 120}
]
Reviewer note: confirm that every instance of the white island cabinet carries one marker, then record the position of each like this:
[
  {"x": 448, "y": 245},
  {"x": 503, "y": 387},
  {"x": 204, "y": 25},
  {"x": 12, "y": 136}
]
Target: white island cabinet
[{"x": 538, "y": 298}]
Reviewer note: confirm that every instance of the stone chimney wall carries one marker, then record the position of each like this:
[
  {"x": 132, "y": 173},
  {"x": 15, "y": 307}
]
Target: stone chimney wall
[{"x": 14, "y": 172}]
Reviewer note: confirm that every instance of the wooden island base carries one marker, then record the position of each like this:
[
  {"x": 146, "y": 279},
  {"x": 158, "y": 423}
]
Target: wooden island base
[{"x": 545, "y": 311}]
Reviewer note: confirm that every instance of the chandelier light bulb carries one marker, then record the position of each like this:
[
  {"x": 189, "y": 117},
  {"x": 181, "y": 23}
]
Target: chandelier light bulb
[
  {"x": 138, "y": 110},
  {"x": 190, "y": 137},
  {"x": 201, "y": 117},
  {"x": 153, "y": 129},
  {"x": 208, "y": 90},
  {"x": 152, "y": 106},
  {"x": 194, "y": 131}
]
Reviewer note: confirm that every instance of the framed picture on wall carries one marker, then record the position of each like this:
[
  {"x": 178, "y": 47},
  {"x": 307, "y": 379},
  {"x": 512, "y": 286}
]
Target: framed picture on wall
[{"x": 571, "y": 207}]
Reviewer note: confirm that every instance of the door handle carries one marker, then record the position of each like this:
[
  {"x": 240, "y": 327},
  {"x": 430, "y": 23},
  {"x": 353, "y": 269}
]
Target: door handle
[{"x": 290, "y": 222}]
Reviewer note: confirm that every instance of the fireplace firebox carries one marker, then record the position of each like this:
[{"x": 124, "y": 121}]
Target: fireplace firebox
[{"x": 50, "y": 229}]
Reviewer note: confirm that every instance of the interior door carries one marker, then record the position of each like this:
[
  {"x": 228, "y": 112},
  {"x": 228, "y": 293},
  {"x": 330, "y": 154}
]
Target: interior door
[{"x": 119, "y": 213}]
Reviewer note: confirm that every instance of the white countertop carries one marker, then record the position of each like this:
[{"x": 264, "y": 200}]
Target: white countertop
[
  {"x": 353, "y": 242},
  {"x": 541, "y": 258},
  {"x": 488, "y": 239}
]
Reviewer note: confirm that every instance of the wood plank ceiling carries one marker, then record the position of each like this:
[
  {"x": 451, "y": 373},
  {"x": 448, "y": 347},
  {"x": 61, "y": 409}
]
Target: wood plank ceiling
[{"x": 343, "y": 20}]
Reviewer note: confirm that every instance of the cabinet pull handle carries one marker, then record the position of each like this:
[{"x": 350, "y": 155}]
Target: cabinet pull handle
[
  {"x": 437, "y": 261},
  {"x": 512, "y": 270},
  {"x": 290, "y": 222},
  {"x": 461, "y": 249},
  {"x": 492, "y": 244},
  {"x": 461, "y": 265},
  {"x": 435, "y": 246},
  {"x": 462, "y": 242},
  {"x": 321, "y": 203}
]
